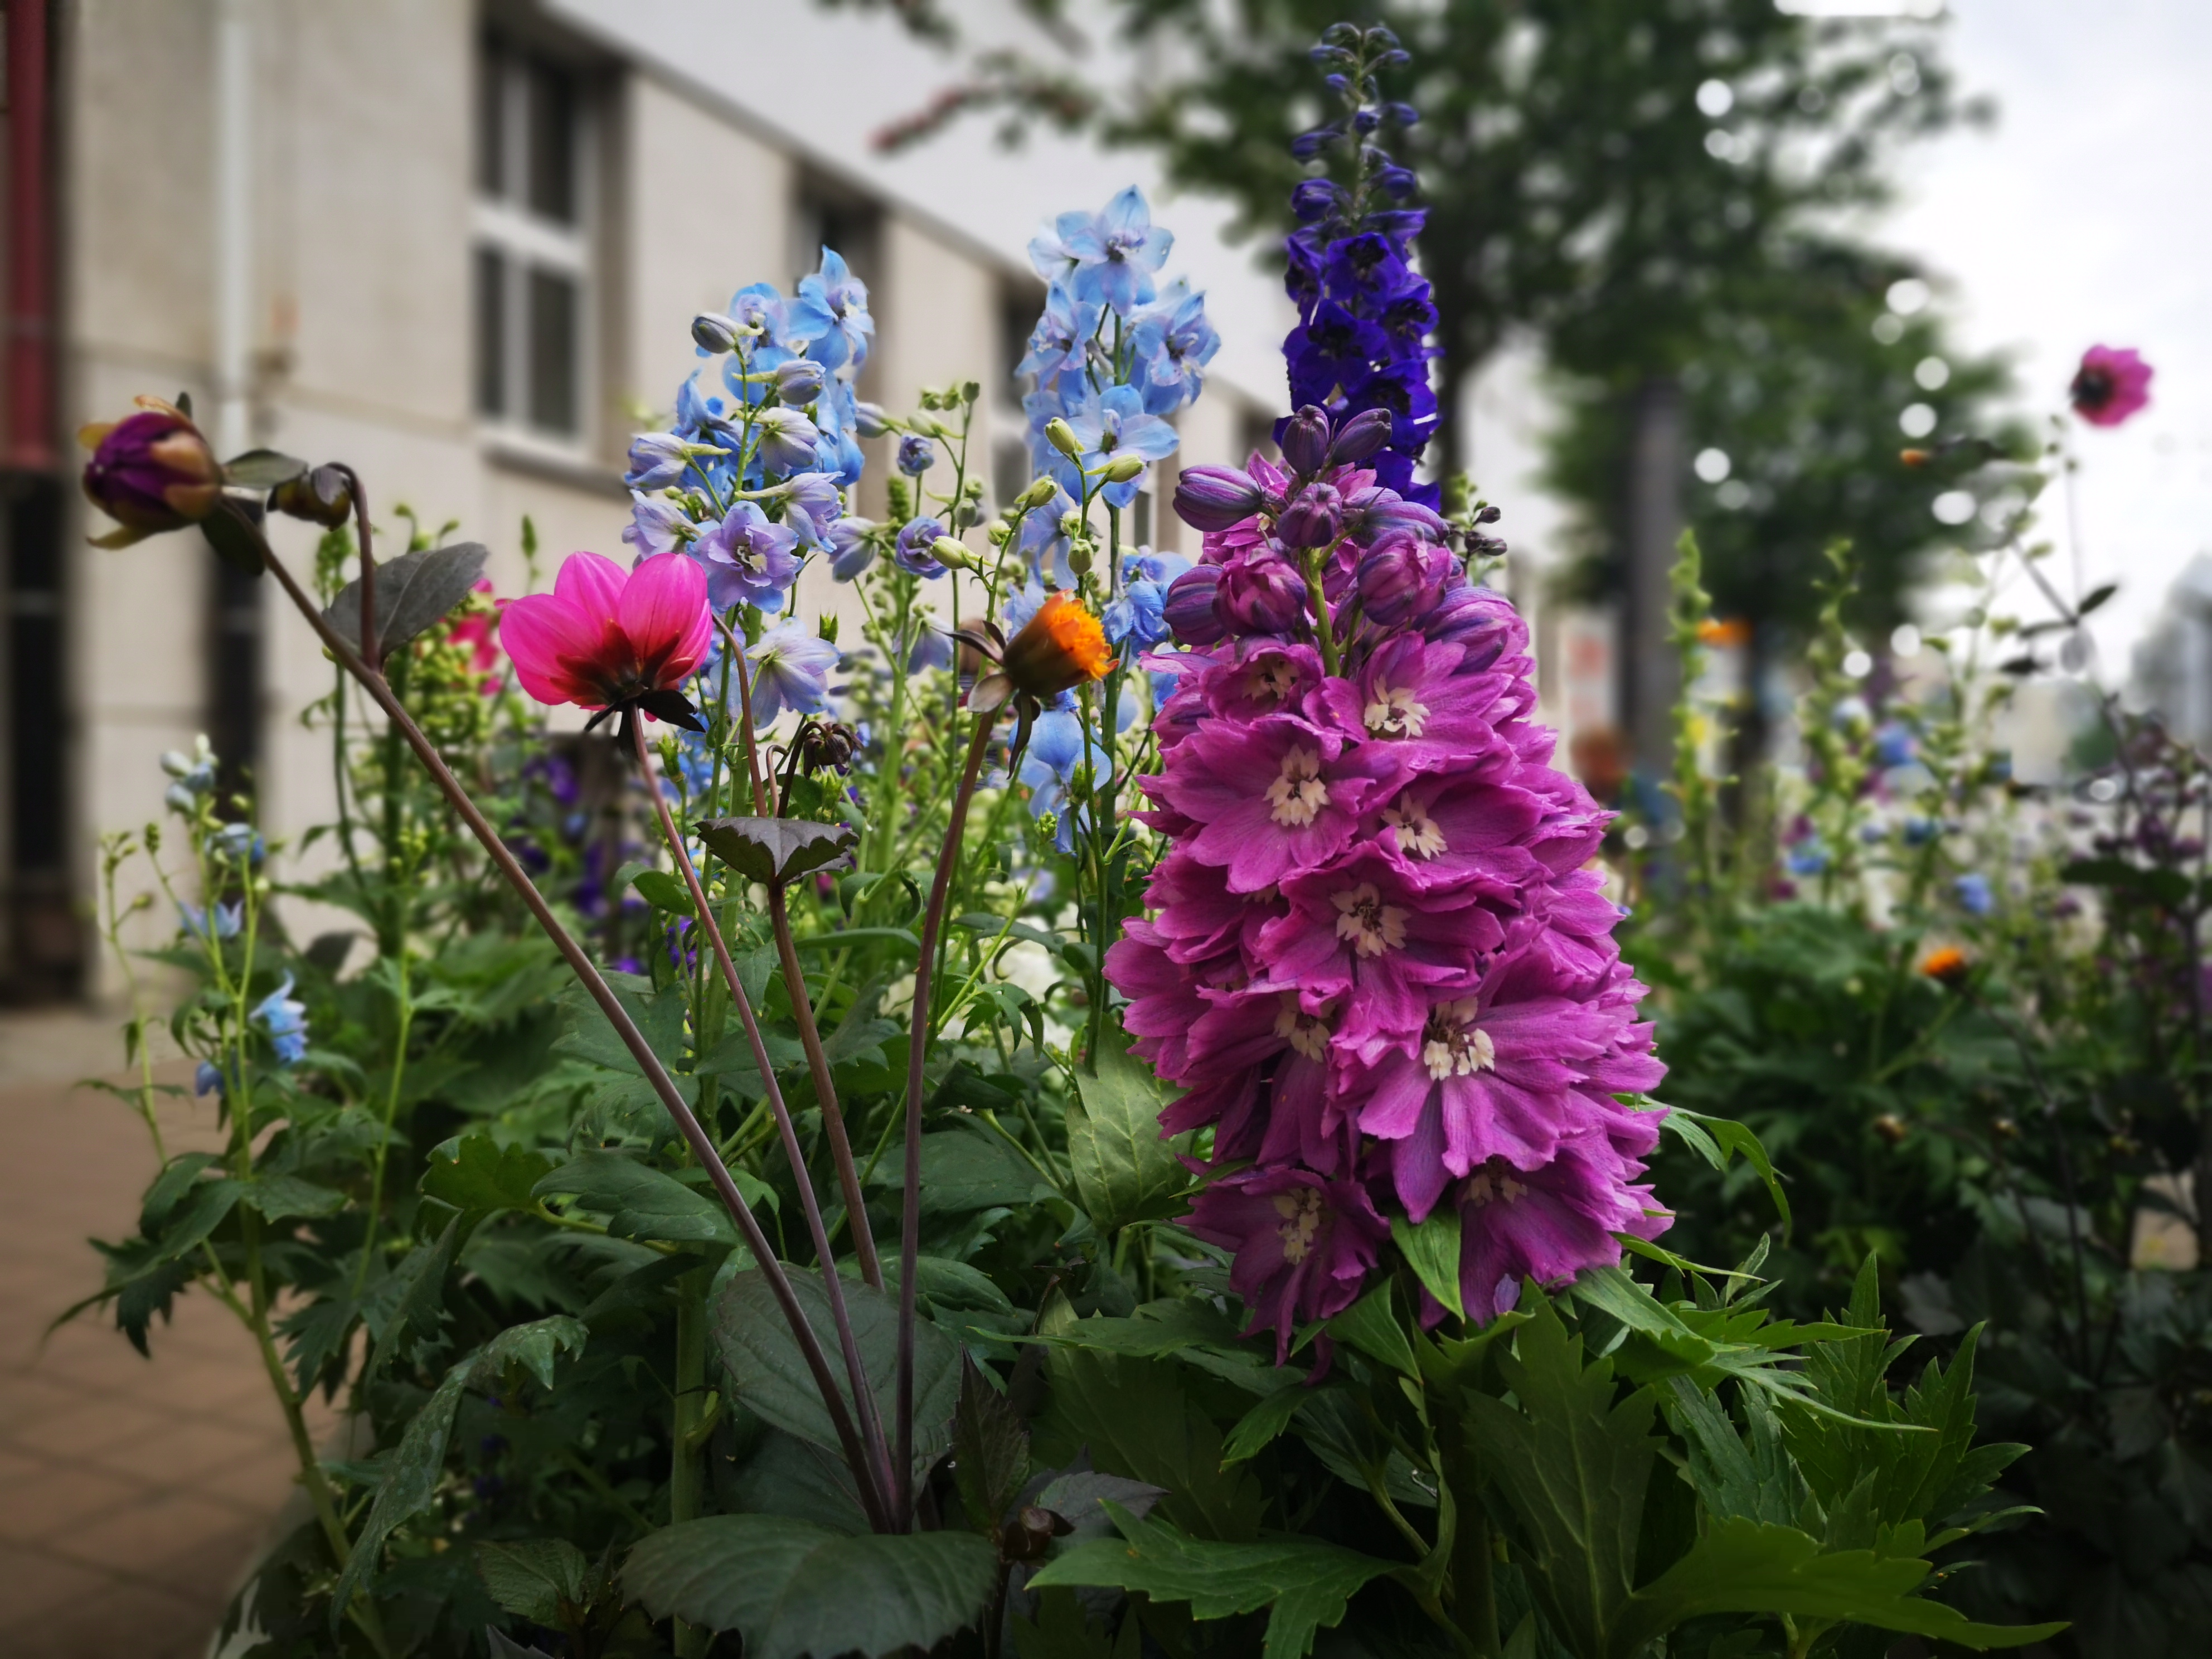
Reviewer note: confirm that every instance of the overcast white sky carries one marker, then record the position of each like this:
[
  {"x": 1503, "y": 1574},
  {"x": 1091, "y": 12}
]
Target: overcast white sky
[{"x": 2085, "y": 217}]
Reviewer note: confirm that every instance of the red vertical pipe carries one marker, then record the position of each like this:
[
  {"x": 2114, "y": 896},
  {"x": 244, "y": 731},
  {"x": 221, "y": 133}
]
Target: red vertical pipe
[{"x": 30, "y": 345}]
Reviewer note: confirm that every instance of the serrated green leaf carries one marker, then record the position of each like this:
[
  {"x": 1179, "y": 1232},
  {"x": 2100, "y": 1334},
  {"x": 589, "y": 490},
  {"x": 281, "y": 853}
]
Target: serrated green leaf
[
  {"x": 641, "y": 1202},
  {"x": 476, "y": 1173},
  {"x": 1573, "y": 1466},
  {"x": 792, "y": 1590},
  {"x": 533, "y": 1578},
  {"x": 1717, "y": 1140},
  {"x": 1370, "y": 1324},
  {"x": 1138, "y": 1421},
  {"x": 170, "y": 1188},
  {"x": 768, "y": 1373},
  {"x": 1259, "y": 1427},
  {"x": 1431, "y": 1250},
  {"x": 1743, "y": 1566},
  {"x": 410, "y": 1300},
  {"x": 279, "y": 1197},
  {"x": 990, "y": 1450},
  {"x": 1305, "y": 1583},
  {"x": 1124, "y": 1171},
  {"x": 963, "y": 1171},
  {"x": 587, "y": 1034}
]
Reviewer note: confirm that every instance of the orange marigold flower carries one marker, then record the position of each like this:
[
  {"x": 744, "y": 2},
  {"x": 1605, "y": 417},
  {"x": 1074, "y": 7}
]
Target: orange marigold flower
[
  {"x": 1724, "y": 631},
  {"x": 1062, "y": 646},
  {"x": 1947, "y": 964}
]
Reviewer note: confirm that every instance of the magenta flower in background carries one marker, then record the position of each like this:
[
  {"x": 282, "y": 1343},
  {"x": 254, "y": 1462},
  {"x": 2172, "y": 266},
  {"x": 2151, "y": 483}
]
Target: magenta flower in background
[
  {"x": 1305, "y": 1244},
  {"x": 613, "y": 640},
  {"x": 2112, "y": 384}
]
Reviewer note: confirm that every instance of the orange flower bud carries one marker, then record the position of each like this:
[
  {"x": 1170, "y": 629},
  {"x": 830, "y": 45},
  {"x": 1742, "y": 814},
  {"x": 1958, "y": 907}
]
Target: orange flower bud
[
  {"x": 1947, "y": 964},
  {"x": 1062, "y": 647}
]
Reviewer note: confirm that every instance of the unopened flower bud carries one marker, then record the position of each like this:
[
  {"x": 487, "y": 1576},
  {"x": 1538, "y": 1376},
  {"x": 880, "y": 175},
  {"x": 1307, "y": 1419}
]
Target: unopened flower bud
[
  {"x": 1061, "y": 647},
  {"x": 319, "y": 497},
  {"x": 1315, "y": 518},
  {"x": 1360, "y": 437},
  {"x": 1262, "y": 595},
  {"x": 713, "y": 332},
  {"x": 1062, "y": 437},
  {"x": 951, "y": 554},
  {"x": 827, "y": 746},
  {"x": 798, "y": 382},
  {"x": 1078, "y": 556},
  {"x": 1215, "y": 497},
  {"x": 1305, "y": 441},
  {"x": 1039, "y": 494},
  {"x": 1122, "y": 468},
  {"x": 151, "y": 472},
  {"x": 868, "y": 420},
  {"x": 916, "y": 455},
  {"x": 1189, "y": 609},
  {"x": 1399, "y": 578}
]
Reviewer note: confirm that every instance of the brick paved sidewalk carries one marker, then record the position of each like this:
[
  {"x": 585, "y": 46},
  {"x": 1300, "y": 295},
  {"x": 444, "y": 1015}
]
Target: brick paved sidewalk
[{"x": 132, "y": 1494}]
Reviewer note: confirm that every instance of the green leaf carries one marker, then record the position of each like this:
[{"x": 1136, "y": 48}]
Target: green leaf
[
  {"x": 1573, "y": 1466},
  {"x": 1719, "y": 1139},
  {"x": 990, "y": 1450},
  {"x": 1137, "y": 1421},
  {"x": 588, "y": 1036},
  {"x": 410, "y": 1301},
  {"x": 1306, "y": 1584},
  {"x": 794, "y": 1589},
  {"x": 1743, "y": 1566},
  {"x": 965, "y": 1169},
  {"x": 642, "y": 1202},
  {"x": 475, "y": 1173},
  {"x": 1124, "y": 1171},
  {"x": 262, "y": 469},
  {"x": 776, "y": 850},
  {"x": 1370, "y": 1324},
  {"x": 170, "y": 1188},
  {"x": 279, "y": 1197},
  {"x": 1259, "y": 1427},
  {"x": 1431, "y": 1250},
  {"x": 413, "y": 592},
  {"x": 409, "y": 1475},
  {"x": 663, "y": 892},
  {"x": 768, "y": 1373},
  {"x": 533, "y": 1578}
]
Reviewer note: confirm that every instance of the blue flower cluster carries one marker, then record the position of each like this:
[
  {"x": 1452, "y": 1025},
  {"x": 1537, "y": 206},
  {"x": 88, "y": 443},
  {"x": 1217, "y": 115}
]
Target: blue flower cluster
[
  {"x": 766, "y": 439},
  {"x": 1365, "y": 316},
  {"x": 1114, "y": 354}
]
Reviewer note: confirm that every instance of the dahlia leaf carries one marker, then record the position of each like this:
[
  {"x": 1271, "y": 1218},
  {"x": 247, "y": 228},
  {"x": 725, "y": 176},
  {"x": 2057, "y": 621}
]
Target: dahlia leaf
[
  {"x": 990, "y": 1449},
  {"x": 413, "y": 592},
  {"x": 642, "y": 1202},
  {"x": 795, "y": 1589},
  {"x": 776, "y": 850}
]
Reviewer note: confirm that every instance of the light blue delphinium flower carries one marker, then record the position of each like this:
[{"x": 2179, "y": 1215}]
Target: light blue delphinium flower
[
  {"x": 798, "y": 382},
  {"x": 812, "y": 506},
  {"x": 1973, "y": 893},
  {"x": 1062, "y": 337},
  {"x": 1174, "y": 342},
  {"x": 1807, "y": 857},
  {"x": 229, "y": 920},
  {"x": 933, "y": 648},
  {"x": 912, "y": 550},
  {"x": 831, "y": 311},
  {"x": 1115, "y": 252},
  {"x": 1919, "y": 830},
  {"x": 657, "y": 525},
  {"x": 747, "y": 559},
  {"x": 1114, "y": 422},
  {"x": 851, "y": 551},
  {"x": 1022, "y": 606},
  {"x": 1044, "y": 540},
  {"x": 916, "y": 454},
  {"x": 207, "y": 1079},
  {"x": 659, "y": 459},
  {"x": 1056, "y": 749},
  {"x": 789, "y": 669},
  {"x": 1137, "y": 617},
  {"x": 786, "y": 440},
  {"x": 1895, "y": 743},
  {"x": 286, "y": 1022}
]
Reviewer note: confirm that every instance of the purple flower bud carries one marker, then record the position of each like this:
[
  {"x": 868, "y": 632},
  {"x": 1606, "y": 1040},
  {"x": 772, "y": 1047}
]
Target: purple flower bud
[
  {"x": 798, "y": 382},
  {"x": 1400, "y": 579},
  {"x": 1314, "y": 200},
  {"x": 1360, "y": 437},
  {"x": 1314, "y": 519},
  {"x": 1190, "y": 610},
  {"x": 916, "y": 454},
  {"x": 1215, "y": 497},
  {"x": 1305, "y": 441},
  {"x": 151, "y": 472},
  {"x": 1262, "y": 595}
]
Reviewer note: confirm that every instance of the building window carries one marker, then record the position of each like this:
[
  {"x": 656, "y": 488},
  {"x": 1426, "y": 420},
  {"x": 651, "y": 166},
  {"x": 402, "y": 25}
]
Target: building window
[{"x": 533, "y": 261}]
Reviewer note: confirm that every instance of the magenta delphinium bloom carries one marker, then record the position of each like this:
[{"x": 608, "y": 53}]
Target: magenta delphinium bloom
[
  {"x": 1375, "y": 961},
  {"x": 613, "y": 640},
  {"x": 2112, "y": 384}
]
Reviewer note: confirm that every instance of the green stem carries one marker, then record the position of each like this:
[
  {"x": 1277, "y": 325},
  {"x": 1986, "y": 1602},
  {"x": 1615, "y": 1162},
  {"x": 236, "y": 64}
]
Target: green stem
[
  {"x": 406, "y": 1007},
  {"x": 686, "y": 1471}
]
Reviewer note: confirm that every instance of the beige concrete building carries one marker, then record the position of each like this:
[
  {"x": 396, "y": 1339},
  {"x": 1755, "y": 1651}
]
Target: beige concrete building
[{"x": 458, "y": 245}]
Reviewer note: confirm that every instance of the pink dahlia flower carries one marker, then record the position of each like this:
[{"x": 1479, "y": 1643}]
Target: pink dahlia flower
[
  {"x": 612, "y": 639},
  {"x": 2112, "y": 384}
]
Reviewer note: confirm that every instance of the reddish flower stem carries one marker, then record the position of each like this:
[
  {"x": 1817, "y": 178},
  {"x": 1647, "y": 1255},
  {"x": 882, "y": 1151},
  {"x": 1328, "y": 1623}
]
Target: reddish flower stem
[
  {"x": 864, "y": 1398},
  {"x": 687, "y": 1123},
  {"x": 925, "y": 972}
]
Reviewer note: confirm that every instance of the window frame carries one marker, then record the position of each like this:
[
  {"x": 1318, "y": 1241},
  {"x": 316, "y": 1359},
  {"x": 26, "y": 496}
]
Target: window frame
[{"x": 526, "y": 241}]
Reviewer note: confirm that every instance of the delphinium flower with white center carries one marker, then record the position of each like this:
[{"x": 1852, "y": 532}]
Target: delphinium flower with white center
[{"x": 1374, "y": 962}]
